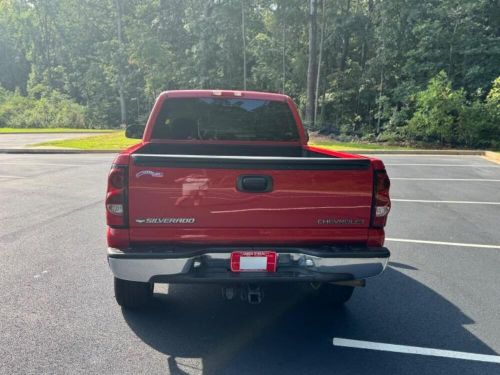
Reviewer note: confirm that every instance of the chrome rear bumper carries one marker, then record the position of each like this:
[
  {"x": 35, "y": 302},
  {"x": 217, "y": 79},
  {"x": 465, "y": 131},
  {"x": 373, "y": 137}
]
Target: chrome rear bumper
[{"x": 212, "y": 265}]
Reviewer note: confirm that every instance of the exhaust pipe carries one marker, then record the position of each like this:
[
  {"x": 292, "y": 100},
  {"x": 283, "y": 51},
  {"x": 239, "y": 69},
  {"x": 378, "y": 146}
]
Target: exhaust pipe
[{"x": 357, "y": 283}]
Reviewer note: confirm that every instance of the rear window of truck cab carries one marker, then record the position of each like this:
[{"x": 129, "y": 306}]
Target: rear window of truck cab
[{"x": 225, "y": 119}]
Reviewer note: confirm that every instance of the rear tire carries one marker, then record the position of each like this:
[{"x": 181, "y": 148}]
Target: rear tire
[
  {"x": 132, "y": 294},
  {"x": 334, "y": 295}
]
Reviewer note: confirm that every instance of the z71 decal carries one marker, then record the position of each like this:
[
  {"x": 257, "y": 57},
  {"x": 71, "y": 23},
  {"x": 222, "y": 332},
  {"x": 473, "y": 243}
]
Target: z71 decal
[{"x": 149, "y": 173}]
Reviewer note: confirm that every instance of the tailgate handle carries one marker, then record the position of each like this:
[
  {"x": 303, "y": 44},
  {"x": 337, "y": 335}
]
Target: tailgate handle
[{"x": 254, "y": 184}]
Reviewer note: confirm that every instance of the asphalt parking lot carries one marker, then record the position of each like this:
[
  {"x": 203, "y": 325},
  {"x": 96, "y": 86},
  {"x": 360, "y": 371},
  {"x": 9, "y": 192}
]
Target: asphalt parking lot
[{"x": 440, "y": 291}]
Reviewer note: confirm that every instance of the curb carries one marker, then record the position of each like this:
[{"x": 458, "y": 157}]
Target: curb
[
  {"x": 54, "y": 151},
  {"x": 490, "y": 155},
  {"x": 420, "y": 152},
  {"x": 74, "y": 132}
]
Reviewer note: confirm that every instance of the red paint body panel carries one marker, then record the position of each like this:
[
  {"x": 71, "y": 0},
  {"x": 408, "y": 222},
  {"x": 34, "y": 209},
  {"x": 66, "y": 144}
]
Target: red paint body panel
[
  {"x": 249, "y": 236},
  {"x": 118, "y": 238},
  {"x": 298, "y": 200},
  {"x": 216, "y": 212}
]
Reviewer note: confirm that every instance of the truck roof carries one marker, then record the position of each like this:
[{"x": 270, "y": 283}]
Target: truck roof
[{"x": 225, "y": 93}]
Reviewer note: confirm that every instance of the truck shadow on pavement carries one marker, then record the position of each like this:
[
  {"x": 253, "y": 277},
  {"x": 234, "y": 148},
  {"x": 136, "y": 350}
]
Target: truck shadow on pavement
[{"x": 290, "y": 332}]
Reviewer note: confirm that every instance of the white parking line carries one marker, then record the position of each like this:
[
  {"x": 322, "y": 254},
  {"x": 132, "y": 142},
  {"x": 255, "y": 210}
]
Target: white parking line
[
  {"x": 3, "y": 176},
  {"x": 459, "y": 244},
  {"x": 358, "y": 344},
  {"x": 444, "y": 179},
  {"x": 451, "y": 202},
  {"x": 58, "y": 164},
  {"x": 445, "y": 165}
]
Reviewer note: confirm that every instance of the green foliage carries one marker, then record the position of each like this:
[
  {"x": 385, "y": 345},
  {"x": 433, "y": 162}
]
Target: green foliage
[
  {"x": 493, "y": 102},
  {"x": 476, "y": 127},
  {"x": 438, "y": 111},
  {"x": 491, "y": 131},
  {"x": 50, "y": 110},
  {"x": 443, "y": 115},
  {"x": 380, "y": 67}
]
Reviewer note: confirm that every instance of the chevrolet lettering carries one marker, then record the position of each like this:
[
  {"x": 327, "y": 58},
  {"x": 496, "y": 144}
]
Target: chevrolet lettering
[{"x": 341, "y": 221}]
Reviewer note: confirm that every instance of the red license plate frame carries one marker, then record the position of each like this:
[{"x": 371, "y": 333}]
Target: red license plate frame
[{"x": 254, "y": 261}]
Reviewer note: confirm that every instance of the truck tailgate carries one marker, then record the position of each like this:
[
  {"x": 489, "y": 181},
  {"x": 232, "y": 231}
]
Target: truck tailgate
[{"x": 179, "y": 192}]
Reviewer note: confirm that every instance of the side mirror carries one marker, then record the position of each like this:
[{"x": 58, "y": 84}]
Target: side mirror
[{"x": 134, "y": 131}]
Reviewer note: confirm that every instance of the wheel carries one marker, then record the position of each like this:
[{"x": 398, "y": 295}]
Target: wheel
[
  {"x": 132, "y": 294},
  {"x": 333, "y": 295}
]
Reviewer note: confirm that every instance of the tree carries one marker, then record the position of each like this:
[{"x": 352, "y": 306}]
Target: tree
[
  {"x": 243, "y": 37},
  {"x": 356, "y": 68},
  {"x": 312, "y": 64},
  {"x": 121, "y": 62}
]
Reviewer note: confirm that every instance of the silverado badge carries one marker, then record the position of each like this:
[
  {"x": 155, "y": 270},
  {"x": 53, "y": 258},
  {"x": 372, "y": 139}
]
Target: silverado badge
[{"x": 165, "y": 220}]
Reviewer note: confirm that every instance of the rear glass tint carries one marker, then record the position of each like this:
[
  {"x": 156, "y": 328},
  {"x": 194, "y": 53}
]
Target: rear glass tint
[{"x": 225, "y": 119}]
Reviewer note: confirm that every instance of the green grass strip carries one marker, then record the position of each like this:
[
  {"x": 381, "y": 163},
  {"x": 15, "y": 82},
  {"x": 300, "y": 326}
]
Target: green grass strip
[
  {"x": 349, "y": 146},
  {"x": 52, "y": 130},
  {"x": 112, "y": 141}
]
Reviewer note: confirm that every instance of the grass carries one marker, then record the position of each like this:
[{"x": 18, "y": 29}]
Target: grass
[
  {"x": 493, "y": 156},
  {"x": 52, "y": 130},
  {"x": 118, "y": 141},
  {"x": 348, "y": 146},
  {"x": 112, "y": 141}
]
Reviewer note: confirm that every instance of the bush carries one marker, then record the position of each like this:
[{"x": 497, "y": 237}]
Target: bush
[
  {"x": 480, "y": 121},
  {"x": 51, "y": 110},
  {"x": 443, "y": 115},
  {"x": 369, "y": 138},
  {"x": 437, "y": 114},
  {"x": 391, "y": 137},
  {"x": 475, "y": 126}
]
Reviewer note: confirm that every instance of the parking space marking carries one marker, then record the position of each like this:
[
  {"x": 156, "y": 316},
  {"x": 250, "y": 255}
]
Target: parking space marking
[
  {"x": 459, "y": 244},
  {"x": 443, "y": 179},
  {"x": 450, "y": 202},
  {"x": 359, "y": 344},
  {"x": 3, "y": 176},
  {"x": 58, "y": 164},
  {"x": 443, "y": 165}
]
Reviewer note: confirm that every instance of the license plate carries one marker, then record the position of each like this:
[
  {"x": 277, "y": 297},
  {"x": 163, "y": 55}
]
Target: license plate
[{"x": 253, "y": 261}]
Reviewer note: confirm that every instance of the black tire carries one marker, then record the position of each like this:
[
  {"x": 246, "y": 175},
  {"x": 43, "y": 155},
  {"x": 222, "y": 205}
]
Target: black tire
[
  {"x": 334, "y": 295},
  {"x": 132, "y": 294}
]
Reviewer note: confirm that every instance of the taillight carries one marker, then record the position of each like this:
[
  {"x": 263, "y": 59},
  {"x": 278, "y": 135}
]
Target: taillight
[
  {"x": 381, "y": 201},
  {"x": 117, "y": 178},
  {"x": 116, "y": 197}
]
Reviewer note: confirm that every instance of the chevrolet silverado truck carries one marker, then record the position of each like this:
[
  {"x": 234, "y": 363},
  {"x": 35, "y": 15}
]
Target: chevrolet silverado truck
[{"x": 224, "y": 188}]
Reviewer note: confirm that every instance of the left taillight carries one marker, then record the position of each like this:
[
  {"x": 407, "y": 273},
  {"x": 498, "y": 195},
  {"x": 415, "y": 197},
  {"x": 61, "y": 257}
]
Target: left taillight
[
  {"x": 381, "y": 201},
  {"x": 116, "y": 197}
]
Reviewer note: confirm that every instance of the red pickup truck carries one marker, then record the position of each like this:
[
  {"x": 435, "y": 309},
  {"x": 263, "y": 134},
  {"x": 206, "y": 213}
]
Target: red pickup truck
[{"x": 224, "y": 189}]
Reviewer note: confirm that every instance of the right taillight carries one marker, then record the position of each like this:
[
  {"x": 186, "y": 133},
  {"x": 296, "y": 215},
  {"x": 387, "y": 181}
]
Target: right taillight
[
  {"x": 116, "y": 197},
  {"x": 381, "y": 201}
]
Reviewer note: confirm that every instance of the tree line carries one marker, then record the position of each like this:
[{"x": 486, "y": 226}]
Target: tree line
[{"x": 387, "y": 70}]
